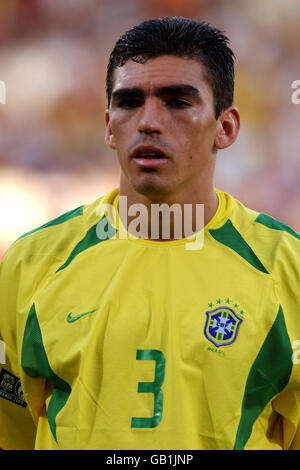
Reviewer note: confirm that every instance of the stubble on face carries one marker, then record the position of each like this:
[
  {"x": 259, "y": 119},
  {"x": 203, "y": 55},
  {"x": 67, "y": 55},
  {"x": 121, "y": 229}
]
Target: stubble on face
[{"x": 186, "y": 134}]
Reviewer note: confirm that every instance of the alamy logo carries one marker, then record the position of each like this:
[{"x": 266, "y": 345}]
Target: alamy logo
[
  {"x": 166, "y": 222},
  {"x": 296, "y": 94},
  {"x": 2, "y": 352},
  {"x": 2, "y": 92},
  {"x": 296, "y": 352}
]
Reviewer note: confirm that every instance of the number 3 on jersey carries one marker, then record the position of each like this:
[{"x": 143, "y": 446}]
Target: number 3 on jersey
[{"x": 151, "y": 387}]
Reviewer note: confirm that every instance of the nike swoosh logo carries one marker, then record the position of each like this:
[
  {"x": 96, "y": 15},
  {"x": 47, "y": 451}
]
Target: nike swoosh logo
[{"x": 71, "y": 319}]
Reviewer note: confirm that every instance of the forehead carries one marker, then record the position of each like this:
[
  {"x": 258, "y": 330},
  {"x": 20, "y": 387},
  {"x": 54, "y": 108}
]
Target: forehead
[{"x": 161, "y": 71}]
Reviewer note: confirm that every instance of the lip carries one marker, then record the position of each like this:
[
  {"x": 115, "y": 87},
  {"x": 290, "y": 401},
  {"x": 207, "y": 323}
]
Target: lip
[{"x": 148, "y": 162}]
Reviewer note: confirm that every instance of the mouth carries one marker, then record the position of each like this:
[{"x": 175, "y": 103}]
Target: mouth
[{"x": 149, "y": 156}]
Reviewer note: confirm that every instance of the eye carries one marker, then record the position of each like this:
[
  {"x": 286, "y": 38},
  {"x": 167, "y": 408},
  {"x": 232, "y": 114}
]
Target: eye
[
  {"x": 129, "y": 103},
  {"x": 177, "y": 103}
]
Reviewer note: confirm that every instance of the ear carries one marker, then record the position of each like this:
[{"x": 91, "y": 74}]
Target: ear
[
  {"x": 227, "y": 128},
  {"x": 109, "y": 138}
]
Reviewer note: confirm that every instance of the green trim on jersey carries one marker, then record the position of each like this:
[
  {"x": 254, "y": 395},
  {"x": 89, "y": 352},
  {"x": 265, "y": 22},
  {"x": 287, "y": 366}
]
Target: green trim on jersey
[
  {"x": 35, "y": 363},
  {"x": 58, "y": 220},
  {"x": 229, "y": 236},
  {"x": 167, "y": 381},
  {"x": 91, "y": 238},
  {"x": 268, "y": 376},
  {"x": 269, "y": 222}
]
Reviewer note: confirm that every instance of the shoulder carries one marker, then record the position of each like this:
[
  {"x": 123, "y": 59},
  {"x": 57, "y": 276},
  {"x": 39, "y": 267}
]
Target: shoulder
[
  {"x": 48, "y": 241},
  {"x": 274, "y": 242},
  {"x": 44, "y": 248}
]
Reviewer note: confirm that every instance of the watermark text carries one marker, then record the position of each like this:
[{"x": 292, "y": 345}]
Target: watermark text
[
  {"x": 296, "y": 353},
  {"x": 159, "y": 222},
  {"x": 2, "y": 352},
  {"x": 2, "y": 92},
  {"x": 296, "y": 94}
]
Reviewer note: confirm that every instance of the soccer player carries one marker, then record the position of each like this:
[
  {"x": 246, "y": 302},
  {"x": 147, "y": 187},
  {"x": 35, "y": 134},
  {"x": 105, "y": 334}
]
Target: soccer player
[{"x": 119, "y": 334}]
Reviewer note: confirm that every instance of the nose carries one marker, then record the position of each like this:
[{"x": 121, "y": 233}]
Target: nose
[{"x": 151, "y": 117}]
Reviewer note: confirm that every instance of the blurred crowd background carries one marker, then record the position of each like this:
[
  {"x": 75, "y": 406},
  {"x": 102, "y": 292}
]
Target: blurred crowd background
[{"x": 53, "y": 58}]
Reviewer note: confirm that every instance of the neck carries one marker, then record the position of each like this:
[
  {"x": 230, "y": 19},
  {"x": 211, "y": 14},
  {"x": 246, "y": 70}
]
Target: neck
[{"x": 166, "y": 217}]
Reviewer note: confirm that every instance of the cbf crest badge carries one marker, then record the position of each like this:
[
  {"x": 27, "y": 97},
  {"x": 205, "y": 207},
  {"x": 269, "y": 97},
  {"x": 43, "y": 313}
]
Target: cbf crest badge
[{"x": 222, "y": 326}]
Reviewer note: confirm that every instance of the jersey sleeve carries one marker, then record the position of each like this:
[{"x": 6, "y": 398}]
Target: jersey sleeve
[
  {"x": 278, "y": 247},
  {"x": 295, "y": 444},
  {"x": 287, "y": 275},
  {"x": 17, "y": 430}
]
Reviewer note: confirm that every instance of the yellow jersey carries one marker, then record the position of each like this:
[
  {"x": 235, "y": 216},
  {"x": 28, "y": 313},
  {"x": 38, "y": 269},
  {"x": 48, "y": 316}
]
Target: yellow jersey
[{"x": 125, "y": 343}]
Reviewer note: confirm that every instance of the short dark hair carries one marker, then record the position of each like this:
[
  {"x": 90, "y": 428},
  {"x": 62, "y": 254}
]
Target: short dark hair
[{"x": 181, "y": 37}]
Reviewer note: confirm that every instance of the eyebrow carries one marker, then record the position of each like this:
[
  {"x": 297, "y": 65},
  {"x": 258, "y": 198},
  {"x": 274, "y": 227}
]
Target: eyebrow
[{"x": 171, "y": 90}]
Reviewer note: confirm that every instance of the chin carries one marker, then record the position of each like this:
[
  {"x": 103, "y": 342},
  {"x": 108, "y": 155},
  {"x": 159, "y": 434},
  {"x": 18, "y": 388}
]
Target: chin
[{"x": 151, "y": 188}]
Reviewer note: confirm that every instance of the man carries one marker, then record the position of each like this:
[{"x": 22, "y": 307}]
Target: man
[{"x": 125, "y": 337}]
